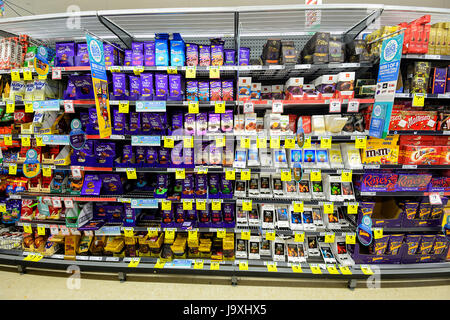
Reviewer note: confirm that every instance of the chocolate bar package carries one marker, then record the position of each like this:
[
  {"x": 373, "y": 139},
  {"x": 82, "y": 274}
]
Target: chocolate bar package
[
  {"x": 214, "y": 122},
  {"x": 192, "y": 90},
  {"x": 179, "y": 214},
  {"x": 111, "y": 184},
  {"x": 120, "y": 90},
  {"x": 380, "y": 245},
  {"x": 201, "y": 186},
  {"x": 127, "y": 60},
  {"x": 161, "y": 86},
  {"x": 167, "y": 217},
  {"x": 424, "y": 211},
  {"x": 119, "y": 120},
  {"x": 135, "y": 87},
  {"x": 79, "y": 88},
  {"x": 189, "y": 123},
  {"x": 226, "y": 121},
  {"x": 227, "y": 90},
  {"x": 316, "y": 49},
  {"x": 288, "y": 52},
  {"x": 440, "y": 244},
  {"x": 147, "y": 86},
  {"x": 203, "y": 90},
  {"x": 135, "y": 123},
  {"x": 177, "y": 50},
  {"x": 191, "y": 54},
  {"x": 228, "y": 215},
  {"x": 177, "y": 124},
  {"x": 202, "y": 123},
  {"x": 91, "y": 186},
  {"x": 141, "y": 153},
  {"x": 230, "y": 57},
  {"x": 271, "y": 52},
  {"x": 164, "y": 158},
  {"x": 439, "y": 80},
  {"x": 146, "y": 126},
  {"x": 175, "y": 93},
  {"x": 151, "y": 156},
  {"x": 244, "y": 56},
  {"x": 204, "y": 55},
  {"x": 162, "y": 49},
  {"x": 226, "y": 187},
  {"x": 395, "y": 242},
  {"x": 127, "y": 156},
  {"x": 188, "y": 157},
  {"x": 426, "y": 244},
  {"x": 215, "y": 88},
  {"x": 188, "y": 186},
  {"x": 177, "y": 154},
  {"x": 161, "y": 185},
  {"x": 410, "y": 209},
  {"x": 214, "y": 186},
  {"x": 412, "y": 241},
  {"x": 82, "y": 57},
  {"x": 373, "y": 182},
  {"x": 413, "y": 182},
  {"x": 149, "y": 53},
  {"x": 105, "y": 152},
  {"x": 336, "y": 50},
  {"x": 217, "y": 54},
  {"x": 65, "y": 54}
]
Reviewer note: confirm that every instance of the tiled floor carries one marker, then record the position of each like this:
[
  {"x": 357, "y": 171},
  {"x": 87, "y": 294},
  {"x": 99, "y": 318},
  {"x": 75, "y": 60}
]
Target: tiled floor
[{"x": 38, "y": 284}]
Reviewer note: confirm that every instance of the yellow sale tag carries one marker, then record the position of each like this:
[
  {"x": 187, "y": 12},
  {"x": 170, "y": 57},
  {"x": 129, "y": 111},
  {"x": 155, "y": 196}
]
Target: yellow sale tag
[
  {"x": 152, "y": 233},
  {"x": 166, "y": 205},
  {"x": 245, "y": 175},
  {"x": 297, "y": 268},
  {"x": 328, "y": 208},
  {"x": 42, "y": 77},
  {"x": 10, "y": 106},
  {"x": 214, "y": 72},
  {"x": 307, "y": 143},
  {"x": 124, "y": 106},
  {"x": 131, "y": 173},
  {"x": 29, "y": 107},
  {"x": 191, "y": 72},
  {"x": 202, "y": 170},
  {"x": 286, "y": 175},
  {"x": 366, "y": 270},
  {"x": 245, "y": 235},
  {"x": 247, "y": 205},
  {"x": 193, "y": 107},
  {"x": 271, "y": 267},
  {"x": 192, "y": 235},
  {"x": 15, "y": 75},
  {"x": 345, "y": 270},
  {"x": 27, "y": 228},
  {"x": 39, "y": 142},
  {"x": 159, "y": 264},
  {"x": 243, "y": 265},
  {"x": 361, "y": 143},
  {"x": 275, "y": 143},
  {"x": 2, "y": 207},
  {"x": 298, "y": 207},
  {"x": 245, "y": 143},
  {"x": 261, "y": 143},
  {"x": 198, "y": 264},
  {"x": 129, "y": 232},
  {"x": 289, "y": 143},
  {"x": 350, "y": 238},
  {"x": 418, "y": 100},
  {"x": 329, "y": 237},
  {"x": 230, "y": 174},
  {"x": 220, "y": 107},
  {"x": 316, "y": 175},
  {"x": 215, "y": 265},
  {"x": 299, "y": 237},
  {"x": 172, "y": 70},
  {"x": 221, "y": 233},
  {"x": 188, "y": 142},
  {"x": 180, "y": 174},
  {"x": 37, "y": 258},
  {"x": 352, "y": 208},
  {"x": 187, "y": 205},
  {"x": 216, "y": 205},
  {"x": 12, "y": 169},
  {"x": 169, "y": 142},
  {"x": 134, "y": 262},
  {"x": 325, "y": 142},
  {"x": 315, "y": 269},
  {"x": 220, "y": 142},
  {"x": 346, "y": 176},
  {"x": 200, "y": 205},
  {"x": 114, "y": 69},
  {"x": 26, "y": 141},
  {"x": 332, "y": 269},
  {"x": 29, "y": 257},
  {"x": 169, "y": 234},
  {"x": 47, "y": 171},
  {"x": 378, "y": 233},
  {"x": 138, "y": 70},
  {"x": 41, "y": 231},
  {"x": 270, "y": 235},
  {"x": 27, "y": 74}
]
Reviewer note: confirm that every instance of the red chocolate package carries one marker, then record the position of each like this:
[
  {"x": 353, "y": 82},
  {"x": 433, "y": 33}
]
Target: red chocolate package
[
  {"x": 420, "y": 155},
  {"x": 306, "y": 124},
  {"x": 418, "y": 120}
]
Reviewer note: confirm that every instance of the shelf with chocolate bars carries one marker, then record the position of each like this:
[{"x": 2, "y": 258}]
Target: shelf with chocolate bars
[
  {"x": 426, "y": 57},
  {"x": 426, "y": 95}
]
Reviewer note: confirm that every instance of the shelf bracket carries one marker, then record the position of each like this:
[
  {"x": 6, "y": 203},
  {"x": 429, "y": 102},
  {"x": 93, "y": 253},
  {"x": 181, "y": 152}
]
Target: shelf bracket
[
  {"x": 354, "y": 31},
  {"x": 122, "y": 276},
  {"x": 234, "y": 281},
  {"x": 21, "y": 269},
  {"x": 352, "y": 284},
  {"x": 125, "y": 37}
]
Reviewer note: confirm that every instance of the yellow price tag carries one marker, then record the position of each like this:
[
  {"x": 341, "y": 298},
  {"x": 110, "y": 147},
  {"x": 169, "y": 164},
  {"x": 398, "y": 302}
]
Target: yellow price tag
[
  {"x": 332, "y": 269},
  {"x": 361, "y": 143},
  {"x": 26, "y": 141},
  {"x": 15, "y": 75},
  {"x": 325, "y": 142},
  {"x": 10, "y": 106},
  {"x": 131, "y": 174},
  {"x": 169, "y": 234},
  {"x": 243, "y": 265},
  {"x": 152, "y": 232},
  {"x": 352, "y": 208},
  {"x": 138, "y": 70},
  {"x": 315, "y": 269},
  {"x": 2, "y": 207},
  {"x": 166, "y": 205},
  {"x": 12, "y": 170},
  {"x": 216, "y": 205},
  {"x": 41, "y": 230},
  {"x": 289, "y": 143},
  {"x": 245, "y": 235},
  {"x": 124, "y": 106},
  {"x": 272, "y": 267},
  {"x": 198, "y": 264},
  {"x": 192, "y": 235},
  {"x": 129, "y": 232},
  {"x": 316, "y": 175},
  {"x": 191, "y": 72},
  {"x": 307, "y": 143},
  {"x": 47, "y": 171},
  {"x": 172, "y": 70},
  {"x": 297, "y": 268},
  {"x": 221, "y": 233},
  {"x": 193, "y": 106},
  {"x": 219, "y": 107},
  {"x": 220, "y": 142},
  {"x": 29, "y": 257},
  {"x": 169, "y": 142},
  {"x": 350, "y": 238},
  {"x": 39, "y": 142},
  {"x": 270, "y": 235},
  {"x": 187, "y": 205},
  {"x": 42, "y": 77},
  {"x": 27, "y": 228},
  {"x": 366, "y": 270},
  {"x": 180, "y": 174},
  {"x": 188, "y": 142},
  {"x": 286, "y": 175},
  {"x": 346, "y": 176},
  {"x": 345, "y": 270},
  {"x": 134, "y": 262},
  {"x": 247, "y": 205},
  {"x": 215, "y": 265},
  {"x": 418, "y": 100},
  {"x": 299, "y": 237},
  {"x": 200, "y": 204},
  {"x": 275, "y": 143},
  {"x": 114, "y": 68},
  {"x": 328, "y": 208},
  {"x": 230, "y": 174},
  {"x": 329, "y": 237},
  {"x": 214, "y": 72},
  {"x": 29, "y": 107},
  {"x": 37, "y": 257},
  {"x": 298, "y": 207},
  {"x": 27, "y": 74},
  {"x": 245, "y": 175},
  {"x": 245, "y": 143},
  {"x": 378, "y": 233},
  {"x": 261, "y": 143},
  {"x": 159, "y": 264}
]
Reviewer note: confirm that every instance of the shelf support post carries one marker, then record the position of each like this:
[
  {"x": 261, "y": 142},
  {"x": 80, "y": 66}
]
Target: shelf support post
[
  {"x": 354, "y": 31},
  {"x": 125, "y": 37}
]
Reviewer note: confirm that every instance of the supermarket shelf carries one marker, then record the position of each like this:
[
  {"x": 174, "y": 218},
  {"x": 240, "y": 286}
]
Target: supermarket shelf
[
  {"x": 401, "y": 194},
  {"x": 428, "y": 95},
  {"x": 264, "y": 104},
  {"x": 406, "y": 166},
  {"x": 412, "y": 229},
  {"x": 421, "y": 133},
  {"x": 425, "y": 57}
]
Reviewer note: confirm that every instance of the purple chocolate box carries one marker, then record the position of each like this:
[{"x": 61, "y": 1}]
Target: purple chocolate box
[
  {"x": 161, "y": 85},
  {"x": 149, "y": 53},
  {"x": 175, "y": 93}
]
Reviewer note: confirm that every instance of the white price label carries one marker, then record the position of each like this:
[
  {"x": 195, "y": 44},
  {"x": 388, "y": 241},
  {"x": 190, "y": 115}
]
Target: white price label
[
  {"x": 56, "y": 73},
  {"x": 335, "y": 105},
  {"x": 76, "y": 172},
  {"x": 68, "y": 106},
  {"x": 353, "y": 106},
  {"x": 54, "y": 229},
  {"x": 64, "y": 231},
  {"x": 277, "y": 107},
  {"x": 249, "y": 107},
  {"x": 68, "y": 203},
  {"x": 435, "y": 199},
  {"x": 56, "y": 203}
]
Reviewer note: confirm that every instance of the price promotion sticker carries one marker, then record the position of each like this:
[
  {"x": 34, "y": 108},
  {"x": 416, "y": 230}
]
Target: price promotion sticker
[
  {"x": 124, "y": 106},
  {"x": 10, "y": 106},
  {"x": 193, "y": 106},
  {"x": 286, "y": 175},
  {"x": 329, "y": 237},
  {"x": 220, "y": 142},
  {"x": 299, "y": 236},
  {"x": 245, "y": 234},
  {"x": 172, "y": 70},
  {"x": 169, "y": 234},
  {"x": 26, "y": 141},
  {"x": 366, "y": 269},
  {"x": 28, "y": 107},
  {"x": 134, "y": 262},
  {"x": 198, "y": 264},
  {"x": 335, "y": 105},
  {"x": 345, "y": 270},
  {"x": 247, "y": 205},
  {"x": 216, "y": 205},
  {"x": 297, "y": 268},
  {"x": 230, "y": 174},
  {"x": 307, "y": 143},
  {"x": 243, "y": 265},
  {"x": 418, "y": 100},
  {"x": 214, "y": 72},
  {"x": 328, "y": 208},
  {"x": 221, "y": 233},
  {"x": 180, "y": 174},
  {"x": 56, "y": 73},
  {"x": 219, "y": 107},
  {"x": 187, "y": 204},
  {"x": 27, "y": 74},
  {"x": 188, "y": 142},
  {"x": 152, "y": 232},
  {"x": 129, "y": 232},
  {"x": 315, "y": 269},
  {"x": 275, "y": 143},
  {"x": 191, "y": 72},
  {"x": 138, "y": 70},
  {"x": 360, "y": 142},
  {"x": 131, "y": 173},
  {"x": 261, "y": 143},
  {"x": 27, "y": 228},
  {"x": 270, "y": 235},
  {"x": 245, "y": 143},
  {"x": 378, "y": 233},
  {"x": 298, "y": 206},
  {"x": 325, "y": 142},
  {"x": 249, "y": 107},
  {"x": 192, "y": 235},
  {"x": 245, "y": 174},
  {"x": 166, "y": 205},
  {"x": 350, "y": 238},
  {"x": 12, "y": 169},
  {"x": 200, "y": 204},
  {"x": 332, "y": 269},
  {"x": 277, "y": 107},
  {"x": 215, "y": 265},
  {"x": 346, "y": 176},
  {"x": 353, "y": 106},
  {"x": 316, "y": 175},
  {"x": 289, "y": 143},
  {"x": 352, "y": 208},
  {"x": 159, "y": 264},
  {"x": 272, "y": 267},
  {"x": 169, "y": 143},
  {"x": 15, "y": 75}
]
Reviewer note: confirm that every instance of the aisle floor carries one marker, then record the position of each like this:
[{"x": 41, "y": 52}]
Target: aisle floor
[{"x": 53, "y": 286}]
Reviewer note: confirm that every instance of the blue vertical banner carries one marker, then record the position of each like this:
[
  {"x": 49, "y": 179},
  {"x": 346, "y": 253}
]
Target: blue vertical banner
[
  {"x": 390, "y": 57},
  {"x": 100, "y": 83}
]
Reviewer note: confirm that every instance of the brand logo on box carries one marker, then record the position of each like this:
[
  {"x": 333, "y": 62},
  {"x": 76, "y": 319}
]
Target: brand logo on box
[{"x": 390, "y": 50}]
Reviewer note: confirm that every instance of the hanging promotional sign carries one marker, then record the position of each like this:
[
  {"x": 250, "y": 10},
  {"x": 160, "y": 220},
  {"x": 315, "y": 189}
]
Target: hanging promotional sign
[
  {"x": 77, "y": 135},
  {"x": 31, "y": 166},
  {"x": 390, "y": 56},
  {"x": 41, "y": 61},
  {"x": 100, "y": 83},
  {"x": 364, "y": 231}
]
